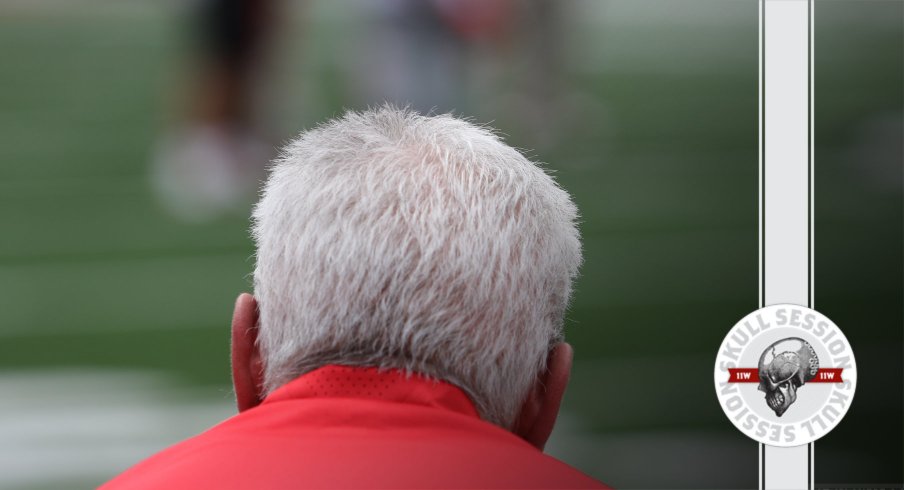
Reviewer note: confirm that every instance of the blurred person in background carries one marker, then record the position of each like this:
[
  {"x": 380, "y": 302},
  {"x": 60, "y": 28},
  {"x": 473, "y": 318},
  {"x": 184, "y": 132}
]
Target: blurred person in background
[
  {"x": 421, "y": 53},
  {"x": 477, "y": 56},
  {"x": 429, "y": 55},
  {"x": 212, "y": 162},
  {"x": 406, "y": 330}
]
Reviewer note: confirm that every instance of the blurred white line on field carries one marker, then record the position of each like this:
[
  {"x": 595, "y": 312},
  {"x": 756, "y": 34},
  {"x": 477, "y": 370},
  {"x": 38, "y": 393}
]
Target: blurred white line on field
[{"x": 87, "y": 425}]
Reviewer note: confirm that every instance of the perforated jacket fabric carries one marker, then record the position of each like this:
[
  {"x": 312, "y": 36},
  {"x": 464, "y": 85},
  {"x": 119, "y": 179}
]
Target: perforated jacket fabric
[{"x": 347, "y": 427}]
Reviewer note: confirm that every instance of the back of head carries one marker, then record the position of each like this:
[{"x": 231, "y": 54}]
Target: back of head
[{"x": 390, "y": 239}]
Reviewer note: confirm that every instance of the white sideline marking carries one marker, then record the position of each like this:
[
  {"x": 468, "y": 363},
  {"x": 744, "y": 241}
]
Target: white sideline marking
[{"x": 86, "y": 425}]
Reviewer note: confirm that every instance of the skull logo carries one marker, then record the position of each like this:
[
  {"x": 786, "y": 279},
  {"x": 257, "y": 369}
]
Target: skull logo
[{"x": 784, "y": 367}]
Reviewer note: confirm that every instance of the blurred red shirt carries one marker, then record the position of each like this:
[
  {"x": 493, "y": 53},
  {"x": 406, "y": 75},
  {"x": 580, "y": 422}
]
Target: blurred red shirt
[{"x": 346, "y": 427}]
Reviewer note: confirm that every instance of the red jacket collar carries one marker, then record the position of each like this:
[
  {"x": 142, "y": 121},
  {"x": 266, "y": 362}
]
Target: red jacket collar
[{"x": 335, "y": 381}]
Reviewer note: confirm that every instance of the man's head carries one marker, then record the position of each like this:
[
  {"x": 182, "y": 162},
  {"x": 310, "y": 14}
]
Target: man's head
[{"x": 390, "y": 239}]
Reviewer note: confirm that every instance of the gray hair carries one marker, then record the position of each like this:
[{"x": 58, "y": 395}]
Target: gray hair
[{"x": 395, "y": 240}]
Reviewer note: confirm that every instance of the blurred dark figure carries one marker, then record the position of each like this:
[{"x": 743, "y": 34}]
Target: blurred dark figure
[
  {"x": 432, "y": 55},
  {"x": 213, "y": 163},
  {"x": 233, "y": 35}
]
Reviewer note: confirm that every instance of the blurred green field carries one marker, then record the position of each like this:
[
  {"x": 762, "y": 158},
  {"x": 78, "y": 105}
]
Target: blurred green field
[{"x": 659, "y": 149}]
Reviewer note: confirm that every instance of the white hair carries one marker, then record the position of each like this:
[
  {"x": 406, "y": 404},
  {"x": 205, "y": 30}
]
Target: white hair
[{"x": 395, "y": 240}]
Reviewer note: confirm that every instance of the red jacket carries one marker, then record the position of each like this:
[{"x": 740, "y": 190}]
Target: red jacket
[{"x": 344, "y": 427}]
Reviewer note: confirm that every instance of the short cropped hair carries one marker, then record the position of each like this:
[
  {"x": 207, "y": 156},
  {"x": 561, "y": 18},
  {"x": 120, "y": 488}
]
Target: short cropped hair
[{"x": 424, "y": 243}]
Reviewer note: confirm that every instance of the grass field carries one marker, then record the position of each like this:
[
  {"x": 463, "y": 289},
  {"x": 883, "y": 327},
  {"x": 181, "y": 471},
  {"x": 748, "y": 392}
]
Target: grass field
[{"x": 113, "y": 338}]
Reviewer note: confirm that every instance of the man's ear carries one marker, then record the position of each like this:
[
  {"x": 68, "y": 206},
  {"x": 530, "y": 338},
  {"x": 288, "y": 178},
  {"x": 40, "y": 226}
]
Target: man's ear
[
  {"x": 540, "y": 409},
  {"x": 247, "y": 368}
]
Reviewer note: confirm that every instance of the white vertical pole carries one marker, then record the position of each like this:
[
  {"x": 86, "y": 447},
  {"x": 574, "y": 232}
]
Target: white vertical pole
[{"x": 785, "y": 192}]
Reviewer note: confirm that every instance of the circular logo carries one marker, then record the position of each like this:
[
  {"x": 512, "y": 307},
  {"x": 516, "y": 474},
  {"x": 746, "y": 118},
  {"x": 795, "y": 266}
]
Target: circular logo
[{"x": 785, "y": 375}]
